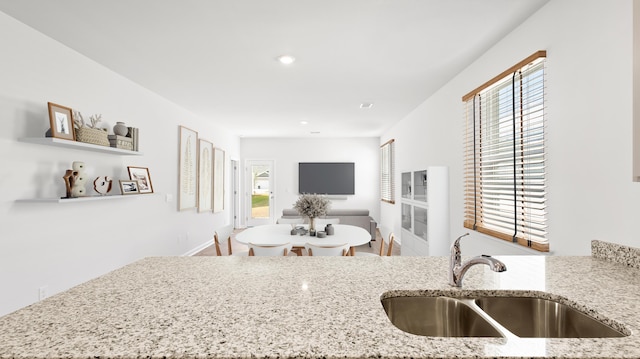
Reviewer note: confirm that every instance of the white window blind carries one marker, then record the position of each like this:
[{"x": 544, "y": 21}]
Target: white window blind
[
  {"x": 387, "y": 170},
  {"x": 504, "y": 161}
]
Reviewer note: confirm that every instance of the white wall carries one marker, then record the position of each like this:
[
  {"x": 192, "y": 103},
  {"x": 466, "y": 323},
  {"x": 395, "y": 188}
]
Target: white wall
[
  {"x": 287, "y": 152},
  {"x": 61, "y": 245},
  {"x": 636, "y": 90},
  {"x": 589, "y": 87}
]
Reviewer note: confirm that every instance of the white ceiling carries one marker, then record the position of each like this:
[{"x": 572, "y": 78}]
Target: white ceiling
[{"x": 217, "y": 58}]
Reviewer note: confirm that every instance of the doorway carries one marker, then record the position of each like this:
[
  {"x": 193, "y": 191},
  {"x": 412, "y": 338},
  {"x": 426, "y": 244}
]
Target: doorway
[
  {"x": 235, "y": 202},
  {"x": 260, "y": 185}
]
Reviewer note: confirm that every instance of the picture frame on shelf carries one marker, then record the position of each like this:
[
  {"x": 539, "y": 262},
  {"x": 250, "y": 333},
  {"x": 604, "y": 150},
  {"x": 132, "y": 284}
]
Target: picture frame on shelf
[
  {"x": 218, "y": 179},
  {"x": 61, "y": 121},
  {"x": 205, "y": 176},
  {"x": 128, "y": 187},
  {"x": 188, "y": 169},
  {"x": 141, "y": 174}
]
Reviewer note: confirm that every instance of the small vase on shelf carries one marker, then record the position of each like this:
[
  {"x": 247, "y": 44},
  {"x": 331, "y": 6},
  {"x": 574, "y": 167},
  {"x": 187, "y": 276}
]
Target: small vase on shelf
[
  {"x": 120, "y": 129},
  {"x": 78, "y": 180}
]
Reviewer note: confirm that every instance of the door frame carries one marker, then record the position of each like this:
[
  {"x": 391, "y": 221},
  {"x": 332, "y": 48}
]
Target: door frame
[
  {"x": 235, "y": 193},
  {"x": 249, "y": 221}
]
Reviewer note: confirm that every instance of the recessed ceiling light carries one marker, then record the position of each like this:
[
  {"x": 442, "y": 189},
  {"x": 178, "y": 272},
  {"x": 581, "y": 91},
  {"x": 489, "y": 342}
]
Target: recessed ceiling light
[
  {"x": 315, "y": 132},
  {"x": 304, "y": 122},
  {"x": 286, "y": 59},
  {"x": 366, "y": 105}
]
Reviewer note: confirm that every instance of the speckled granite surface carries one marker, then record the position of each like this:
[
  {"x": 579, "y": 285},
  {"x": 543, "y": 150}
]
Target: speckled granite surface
[
  {"x": 616, "y": 253},
  {"x": 306, "y": 307}
]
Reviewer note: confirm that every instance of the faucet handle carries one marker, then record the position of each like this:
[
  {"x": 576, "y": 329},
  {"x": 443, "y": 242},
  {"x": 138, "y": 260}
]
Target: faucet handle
[
  {"x": 455, "y": 257},
  {"x": 459, "y": 238},
  {"x": 455, "y": 247}
]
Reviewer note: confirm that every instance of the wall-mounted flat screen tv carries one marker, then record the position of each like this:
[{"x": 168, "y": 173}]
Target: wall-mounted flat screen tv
[{"x": 334, "y": 178}]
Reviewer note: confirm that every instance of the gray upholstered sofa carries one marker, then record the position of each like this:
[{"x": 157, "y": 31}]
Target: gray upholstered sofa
[{"x": 354, "y": 217}]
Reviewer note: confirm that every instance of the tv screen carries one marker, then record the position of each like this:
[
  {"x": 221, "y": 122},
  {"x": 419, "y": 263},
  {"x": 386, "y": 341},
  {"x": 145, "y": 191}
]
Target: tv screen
[{"x": 326, "y": 177}]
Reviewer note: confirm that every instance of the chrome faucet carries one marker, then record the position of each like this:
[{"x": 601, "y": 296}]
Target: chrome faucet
[{"x": 457, "y": 268}]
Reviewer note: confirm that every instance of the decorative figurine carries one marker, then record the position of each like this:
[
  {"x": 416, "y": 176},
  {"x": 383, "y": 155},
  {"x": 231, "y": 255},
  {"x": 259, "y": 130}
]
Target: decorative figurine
[
  {"x": 68, "y": 179},
  {"x": 78, "y": 180},
  {"x": 102, "y": 185}
]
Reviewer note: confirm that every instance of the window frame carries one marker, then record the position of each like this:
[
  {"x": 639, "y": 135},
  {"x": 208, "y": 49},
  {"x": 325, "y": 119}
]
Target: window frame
[
  {"x": 387, "y": 172},
  {"x": 480, "y": 212}
]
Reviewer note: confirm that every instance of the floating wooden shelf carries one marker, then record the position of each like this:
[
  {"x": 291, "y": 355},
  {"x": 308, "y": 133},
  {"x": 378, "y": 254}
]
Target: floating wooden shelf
[
  {"x": 74, "y": 200},
  {"x": 57, "y": 142}
]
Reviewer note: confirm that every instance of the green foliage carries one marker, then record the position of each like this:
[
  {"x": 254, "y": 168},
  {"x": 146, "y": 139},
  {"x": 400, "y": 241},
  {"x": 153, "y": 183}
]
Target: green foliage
[{"x": 259, "y": 200}]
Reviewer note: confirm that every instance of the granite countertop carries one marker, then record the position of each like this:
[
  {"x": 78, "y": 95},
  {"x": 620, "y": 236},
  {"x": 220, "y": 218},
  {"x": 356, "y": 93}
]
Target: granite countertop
[{"x": 307, "y": 307}]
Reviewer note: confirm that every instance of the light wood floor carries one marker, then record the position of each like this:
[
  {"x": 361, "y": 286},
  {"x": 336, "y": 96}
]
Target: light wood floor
[{"x": 238, "y": 247}]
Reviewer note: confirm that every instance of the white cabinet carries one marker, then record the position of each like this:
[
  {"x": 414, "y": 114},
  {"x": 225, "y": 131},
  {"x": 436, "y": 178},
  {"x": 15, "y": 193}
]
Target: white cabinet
[{"x": 425, "y": 212}]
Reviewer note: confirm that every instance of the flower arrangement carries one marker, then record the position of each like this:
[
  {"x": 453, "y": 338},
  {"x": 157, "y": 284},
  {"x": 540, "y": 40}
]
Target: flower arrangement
[{"x": 312, "y": 205}]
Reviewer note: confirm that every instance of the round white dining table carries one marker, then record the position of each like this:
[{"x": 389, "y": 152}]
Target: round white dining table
[{"x": 281, "y": 233}]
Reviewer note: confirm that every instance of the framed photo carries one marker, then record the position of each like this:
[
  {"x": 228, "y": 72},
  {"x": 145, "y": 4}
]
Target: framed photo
[
  {"x": 188, "y": 169},
  {"x": 129, "y": 187},
  {"x": 218, "y": 180},
  {"x": 205, "y": 176},
  {"x": 61, "y": 120},
  {"x": 141, "y": 174}
]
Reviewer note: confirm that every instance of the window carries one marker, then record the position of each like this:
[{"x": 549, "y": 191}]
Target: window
[
  {"x": 504, "y": 156},
  {"x": 387, "y": 170}
]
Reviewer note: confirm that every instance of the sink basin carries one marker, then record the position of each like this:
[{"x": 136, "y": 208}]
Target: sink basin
[
  {"x": 493, "y": 315},
  {"x": 529, "y": 317},
  {"x": 437, "y": 317}
]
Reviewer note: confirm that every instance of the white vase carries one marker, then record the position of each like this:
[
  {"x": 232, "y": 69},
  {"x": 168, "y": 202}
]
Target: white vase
[
  {"x": 79, "y": 180},
  {"x": 120, "y": 129}
]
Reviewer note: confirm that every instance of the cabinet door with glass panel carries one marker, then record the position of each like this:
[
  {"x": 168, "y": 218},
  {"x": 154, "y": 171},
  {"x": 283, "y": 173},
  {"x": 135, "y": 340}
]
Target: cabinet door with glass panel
[
  {"x": 425, "y": 212},
  {"x": 414, "y": 185}
]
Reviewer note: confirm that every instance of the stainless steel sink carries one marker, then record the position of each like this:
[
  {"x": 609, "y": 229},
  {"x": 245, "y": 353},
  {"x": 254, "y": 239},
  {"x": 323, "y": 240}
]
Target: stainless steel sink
[
  {"x": 437, "y": 317},
  {"x": 529, "y": 317},
  {"x": 492, "y": 316}
]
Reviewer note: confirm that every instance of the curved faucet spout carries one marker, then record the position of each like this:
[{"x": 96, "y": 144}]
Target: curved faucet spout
[{"x": 457, "y": 268}]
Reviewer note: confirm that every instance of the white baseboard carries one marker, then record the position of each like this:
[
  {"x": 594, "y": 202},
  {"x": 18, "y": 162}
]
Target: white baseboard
[{"x": 198, "y": 248}]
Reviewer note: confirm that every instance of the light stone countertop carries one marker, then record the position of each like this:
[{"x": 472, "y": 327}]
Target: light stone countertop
[{"x": 306, "y": 307}]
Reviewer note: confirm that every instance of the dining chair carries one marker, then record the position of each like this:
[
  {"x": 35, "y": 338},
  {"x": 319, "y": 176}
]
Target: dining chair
[
  {"x": 293, "y": 222},
  {"x": 297, "y": 220},
  {"x": 269, "y": 249},
  {"x": 389, "y": 242},
  {"x": 381, "y": 253},
  {"x": 318, "y": 249},
  {"x": 222, "y": 235}
]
